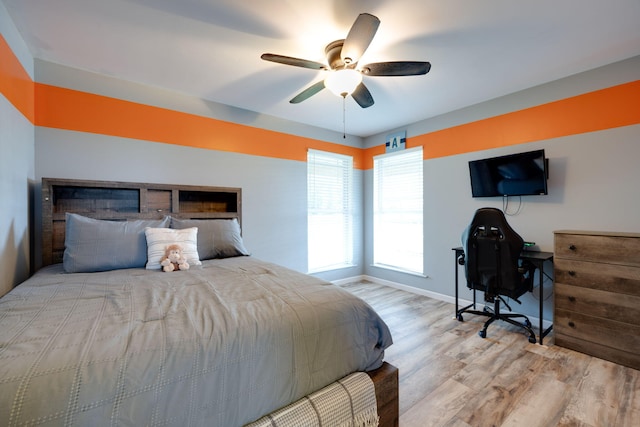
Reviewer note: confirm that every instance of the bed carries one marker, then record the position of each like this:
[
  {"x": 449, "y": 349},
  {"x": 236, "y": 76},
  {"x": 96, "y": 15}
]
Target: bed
[{"x": 100, "y": 335}]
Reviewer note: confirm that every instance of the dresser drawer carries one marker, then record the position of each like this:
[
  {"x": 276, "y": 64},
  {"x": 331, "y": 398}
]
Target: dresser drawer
[
  {"x": 626, "y": 358},
  {"x": 598, "y": 304},
  {"x": 603, "y": 332},
  {"x": 598, "y": 247},
  {"x": 620, "y": 279}
]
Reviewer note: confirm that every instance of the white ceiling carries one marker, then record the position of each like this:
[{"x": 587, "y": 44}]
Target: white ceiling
[{"x": 479, "y": 49}]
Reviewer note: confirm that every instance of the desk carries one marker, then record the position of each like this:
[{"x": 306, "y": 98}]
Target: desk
[{"x": 537, "y": 258}]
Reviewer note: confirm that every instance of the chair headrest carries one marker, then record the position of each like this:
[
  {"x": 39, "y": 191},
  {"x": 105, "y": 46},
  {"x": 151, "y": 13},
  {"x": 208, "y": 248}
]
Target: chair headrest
[{"x": 492, "y": 219}]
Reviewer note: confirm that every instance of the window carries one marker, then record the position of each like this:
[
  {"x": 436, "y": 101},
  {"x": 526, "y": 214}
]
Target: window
[
  {"x": 397, "y": 211},
  {"x": 330, "y": 210}
]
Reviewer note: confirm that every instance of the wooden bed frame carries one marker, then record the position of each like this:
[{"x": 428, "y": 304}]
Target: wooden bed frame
[{"x": 121, "y": 201}]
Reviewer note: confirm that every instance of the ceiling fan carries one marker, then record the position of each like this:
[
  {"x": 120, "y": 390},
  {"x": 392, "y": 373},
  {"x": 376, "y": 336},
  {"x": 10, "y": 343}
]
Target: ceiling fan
[{"x": 345, "y": 77}]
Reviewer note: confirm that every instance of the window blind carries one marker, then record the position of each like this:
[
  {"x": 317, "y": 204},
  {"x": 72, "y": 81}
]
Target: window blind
[
  {"x": 330, "y": 210},
  {"x": 397, "y": 210}
]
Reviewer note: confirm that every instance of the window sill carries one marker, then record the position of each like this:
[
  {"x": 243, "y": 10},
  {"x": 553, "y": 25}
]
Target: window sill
[
  {"x": 333, "y": 268},
  {"x": 399, "y": 270}
]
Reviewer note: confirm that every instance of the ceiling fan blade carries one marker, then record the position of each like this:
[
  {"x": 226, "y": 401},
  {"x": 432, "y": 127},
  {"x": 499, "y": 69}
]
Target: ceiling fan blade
[
  {"x": 398, "y": 68},
  {"x": 308, "y": 92},
  {"x": 296, "y": 62},
  {"x": 360, "y": 35},
  {"x": 362, "y": 96}
]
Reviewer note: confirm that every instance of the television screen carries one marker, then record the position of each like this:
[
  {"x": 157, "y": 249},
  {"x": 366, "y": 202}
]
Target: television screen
[{"x": 519, "y": 174}]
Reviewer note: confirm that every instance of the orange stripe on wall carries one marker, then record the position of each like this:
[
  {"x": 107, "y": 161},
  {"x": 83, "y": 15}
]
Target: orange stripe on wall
[
  {"x": 15, "y": 83},
  {"x": 603, "y": 109},
  {"x": 68, "y": 109},
  {"x": 80, "y": 111}
]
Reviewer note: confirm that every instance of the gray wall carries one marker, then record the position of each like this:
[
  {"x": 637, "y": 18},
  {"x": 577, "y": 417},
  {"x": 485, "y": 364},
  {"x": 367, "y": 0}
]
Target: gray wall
[
  {"x": 274, "y": 191},
  {"x": 16, "y": 173}
]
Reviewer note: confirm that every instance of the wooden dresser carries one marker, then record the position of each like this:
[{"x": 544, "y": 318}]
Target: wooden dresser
[{"x": 597, "y": 294}]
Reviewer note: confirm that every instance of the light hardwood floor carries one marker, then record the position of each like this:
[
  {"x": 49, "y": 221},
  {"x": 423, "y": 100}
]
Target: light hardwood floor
[{"x": 449, "y": 376}]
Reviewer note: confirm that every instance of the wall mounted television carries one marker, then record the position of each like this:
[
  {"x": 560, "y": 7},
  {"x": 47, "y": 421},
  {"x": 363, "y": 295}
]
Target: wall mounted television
[{"x": 521, "y": 174}]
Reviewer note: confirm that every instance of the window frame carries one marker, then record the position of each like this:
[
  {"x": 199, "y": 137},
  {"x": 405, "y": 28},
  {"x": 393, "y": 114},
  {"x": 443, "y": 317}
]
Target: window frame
[
  {"x": 325, "y": 204},
  {"x": 392, "y": 208}
]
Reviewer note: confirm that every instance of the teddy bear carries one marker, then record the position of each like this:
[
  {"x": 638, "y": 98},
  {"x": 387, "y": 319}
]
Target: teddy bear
[{"x": 173, "y": 259}]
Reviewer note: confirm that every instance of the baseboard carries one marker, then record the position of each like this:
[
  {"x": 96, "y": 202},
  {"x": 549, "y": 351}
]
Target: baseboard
[
  {"x": 361, "y": 278},
  {"x": 435, "y": 295}
]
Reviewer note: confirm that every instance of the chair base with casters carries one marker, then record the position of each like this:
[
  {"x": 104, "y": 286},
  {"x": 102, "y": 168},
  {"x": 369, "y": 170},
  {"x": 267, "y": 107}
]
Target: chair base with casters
[{"x": 496, "y": 314}]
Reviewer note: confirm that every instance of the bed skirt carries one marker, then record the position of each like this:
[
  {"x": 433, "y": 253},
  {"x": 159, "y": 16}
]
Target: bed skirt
[{"x": 349, "y": 402}]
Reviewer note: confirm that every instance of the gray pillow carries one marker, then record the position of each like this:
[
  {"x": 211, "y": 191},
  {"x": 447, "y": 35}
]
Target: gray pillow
[
  {"x": 217, "y": 238},
  {"x": 99, "y": 245}
]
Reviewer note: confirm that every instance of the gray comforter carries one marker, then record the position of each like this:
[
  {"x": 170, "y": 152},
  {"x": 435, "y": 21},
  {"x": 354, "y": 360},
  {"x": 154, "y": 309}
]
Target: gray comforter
[{"x": 217, "y": 345}]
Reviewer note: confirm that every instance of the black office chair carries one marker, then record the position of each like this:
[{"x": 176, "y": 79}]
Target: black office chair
[{"x": 491, "y": 259}]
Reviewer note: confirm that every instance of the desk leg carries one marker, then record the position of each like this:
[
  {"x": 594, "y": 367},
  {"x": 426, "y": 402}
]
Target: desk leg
[
  {"x": 543, "y": 333},
  {"x": 546, "y": 332},
  {"x": 455, "y": 263},
  {"x": 541, "y": 273}
]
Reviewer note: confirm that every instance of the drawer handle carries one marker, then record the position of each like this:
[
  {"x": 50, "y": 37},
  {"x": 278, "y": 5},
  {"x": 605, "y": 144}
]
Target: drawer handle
[
  {"x": 572, "y": 299},
  {"x": 573, "y": 325},
  {"x": 572, "y": 273},
  {"x": 572, "y": 247}
]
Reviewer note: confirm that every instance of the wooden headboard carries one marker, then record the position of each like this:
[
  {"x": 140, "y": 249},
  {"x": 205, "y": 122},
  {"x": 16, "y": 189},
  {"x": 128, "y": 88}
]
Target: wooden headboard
[{"x": 122, "y": 201}]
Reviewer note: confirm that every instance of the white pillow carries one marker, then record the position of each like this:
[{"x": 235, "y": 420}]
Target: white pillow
[{"x": 159, "y": 238}]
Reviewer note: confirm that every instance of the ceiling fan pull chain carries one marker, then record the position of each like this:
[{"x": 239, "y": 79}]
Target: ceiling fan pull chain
[{"x": 344, "y": 115}]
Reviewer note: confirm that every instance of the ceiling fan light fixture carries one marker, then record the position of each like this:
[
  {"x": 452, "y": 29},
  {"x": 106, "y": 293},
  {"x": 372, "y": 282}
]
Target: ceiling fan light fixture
[
  {"x": 343, "y": 56},
  {"x": 343, "y": 82}
]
